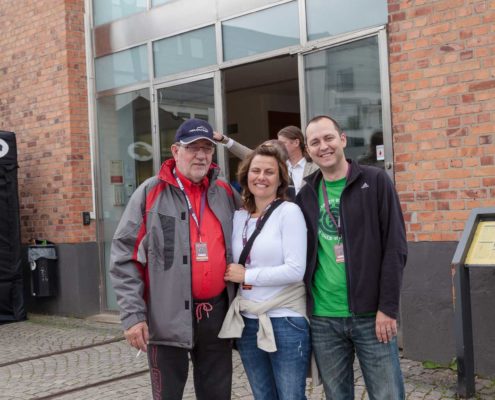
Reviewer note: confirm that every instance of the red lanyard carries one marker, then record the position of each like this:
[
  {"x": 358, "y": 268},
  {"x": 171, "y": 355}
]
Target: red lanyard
[{"x": 189, "y": 205}]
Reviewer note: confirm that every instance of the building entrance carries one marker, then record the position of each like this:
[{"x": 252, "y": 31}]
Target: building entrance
[{"x": 260, "y": 98}]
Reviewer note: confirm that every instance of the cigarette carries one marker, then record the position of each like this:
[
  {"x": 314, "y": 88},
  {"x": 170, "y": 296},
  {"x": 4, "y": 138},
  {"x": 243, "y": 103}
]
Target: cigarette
[{"x": 138, "y": 353}]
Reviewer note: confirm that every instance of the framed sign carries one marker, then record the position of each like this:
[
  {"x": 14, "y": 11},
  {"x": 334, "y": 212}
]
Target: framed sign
[
  {"x": 482, "y": 249},
  {"x": 475, "y": 249}
]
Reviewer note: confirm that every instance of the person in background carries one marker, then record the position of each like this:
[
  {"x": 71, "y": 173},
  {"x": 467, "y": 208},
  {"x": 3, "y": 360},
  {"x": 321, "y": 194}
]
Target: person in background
[
  {"x": 357, "y": 252},
  {"x": 299, "y": 163},
  {"x": 168, "y": 260},
  {"x": 269, "y": 314}
]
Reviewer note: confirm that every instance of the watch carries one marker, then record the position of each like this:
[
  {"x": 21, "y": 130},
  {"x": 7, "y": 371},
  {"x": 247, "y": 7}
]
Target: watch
[{"x": 224, "y": 139}]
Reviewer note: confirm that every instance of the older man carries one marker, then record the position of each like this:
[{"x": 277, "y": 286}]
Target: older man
[
  {"x": 356, "y": 254},
  {"x": 168, "y": 261}
]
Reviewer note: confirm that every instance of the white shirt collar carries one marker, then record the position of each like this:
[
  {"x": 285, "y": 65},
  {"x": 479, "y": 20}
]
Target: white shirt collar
[{"x": 301, "y": 163}]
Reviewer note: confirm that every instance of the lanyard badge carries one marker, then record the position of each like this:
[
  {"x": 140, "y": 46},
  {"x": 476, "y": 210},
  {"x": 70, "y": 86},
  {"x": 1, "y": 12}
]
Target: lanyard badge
[
  {"x": 339, "y": 253},
  {"x": 201, "y": 251}
]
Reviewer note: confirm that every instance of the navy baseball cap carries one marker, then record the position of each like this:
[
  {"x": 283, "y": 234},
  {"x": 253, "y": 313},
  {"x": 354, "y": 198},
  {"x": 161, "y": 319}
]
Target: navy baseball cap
[{"x": 194, "y": 129}]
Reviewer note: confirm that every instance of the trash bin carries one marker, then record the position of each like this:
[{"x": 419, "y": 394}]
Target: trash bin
[{"x": 42, "y": 258}]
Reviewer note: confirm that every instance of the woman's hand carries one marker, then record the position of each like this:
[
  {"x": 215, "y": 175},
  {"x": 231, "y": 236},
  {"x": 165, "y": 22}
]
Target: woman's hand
[{"x": 235, "y": 273}]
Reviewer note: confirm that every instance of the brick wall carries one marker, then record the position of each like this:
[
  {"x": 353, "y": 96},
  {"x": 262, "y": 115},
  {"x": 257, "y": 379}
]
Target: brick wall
[
  {"x": 442, "y": 75},
  {"x": 43, "y": 98}
]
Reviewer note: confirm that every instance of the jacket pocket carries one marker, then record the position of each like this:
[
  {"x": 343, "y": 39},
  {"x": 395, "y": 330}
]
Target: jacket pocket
[{"x": 168, "y": 229}]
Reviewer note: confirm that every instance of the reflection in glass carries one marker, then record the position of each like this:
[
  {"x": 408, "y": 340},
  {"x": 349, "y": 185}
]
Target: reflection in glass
[
  {"x": 121, "y": 69},
  {"x": 344, "y": 83},
  {"x": 126, "y": 159},
  {"x": 332, "y": 17},
  {"x": 184, "y": 52},
  {"x": 106, "y": 11},
  {"x": 181, "y": 102},
  {"x": 155, "y": 3},
  {"x": 262, "y": 31}
]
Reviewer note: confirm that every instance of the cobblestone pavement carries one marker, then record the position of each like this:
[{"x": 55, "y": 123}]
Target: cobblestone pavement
[{"x": 63, "y": 358}]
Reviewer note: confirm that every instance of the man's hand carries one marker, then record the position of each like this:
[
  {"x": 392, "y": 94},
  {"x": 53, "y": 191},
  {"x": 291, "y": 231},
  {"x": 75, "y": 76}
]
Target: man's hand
[
  {"x": 137, "y": 335},
  {"x": 235, "y": 273},
  {"x": 386, "y": 327}
]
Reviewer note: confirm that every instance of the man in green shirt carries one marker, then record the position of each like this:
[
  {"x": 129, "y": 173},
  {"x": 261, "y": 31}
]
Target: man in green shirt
[{"x": 357, "y": 251}]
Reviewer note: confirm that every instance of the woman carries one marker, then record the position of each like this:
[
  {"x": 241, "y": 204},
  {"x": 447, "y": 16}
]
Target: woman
[
  {"x": 271, "y": 299},
  {"x": 298, "y": 160}
]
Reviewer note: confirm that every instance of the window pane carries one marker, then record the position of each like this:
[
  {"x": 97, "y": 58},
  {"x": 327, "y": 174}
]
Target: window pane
[
  {"x": 344, "y": 83},
  {"x": 265, "y": 30},
  {"x": 332, "y": 17},
  {"x": 126, "y": 159},
  {"x": 181, "y": 102},
  {"x": 184, "y": 52},
  {"x": 121, "y": 69},
  {"x": 109, "y": 10}
]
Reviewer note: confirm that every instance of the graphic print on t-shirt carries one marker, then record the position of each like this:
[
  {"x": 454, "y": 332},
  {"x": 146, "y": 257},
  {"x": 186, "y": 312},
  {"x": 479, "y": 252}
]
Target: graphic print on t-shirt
[{"x": 326, "y": 228}]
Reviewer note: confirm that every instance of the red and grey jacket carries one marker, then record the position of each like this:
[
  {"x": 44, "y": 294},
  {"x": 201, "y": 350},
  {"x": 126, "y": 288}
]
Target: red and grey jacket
[
  {"x": 375, "y": 245},
  {"x": 150, "y": 260}
]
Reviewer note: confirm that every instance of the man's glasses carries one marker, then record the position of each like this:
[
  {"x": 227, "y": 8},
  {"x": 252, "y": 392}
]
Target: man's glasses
[{"x": 196, "y": 148}]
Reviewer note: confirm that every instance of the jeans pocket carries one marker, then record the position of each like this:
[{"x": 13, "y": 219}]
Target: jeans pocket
[{"x": 299, "y": 323}]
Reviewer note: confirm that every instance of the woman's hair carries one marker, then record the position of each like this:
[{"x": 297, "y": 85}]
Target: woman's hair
[
  {"x": 270, "y": 148},
  {"x": 292, "y": 132}
]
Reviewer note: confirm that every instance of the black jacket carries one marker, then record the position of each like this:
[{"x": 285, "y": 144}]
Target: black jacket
[{"x": 375, "y": 245}]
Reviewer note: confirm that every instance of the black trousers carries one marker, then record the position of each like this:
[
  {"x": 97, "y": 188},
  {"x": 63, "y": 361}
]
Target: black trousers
[{"x": 211, "y": 358}]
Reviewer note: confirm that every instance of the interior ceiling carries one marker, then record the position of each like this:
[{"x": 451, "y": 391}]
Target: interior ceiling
[{"x": 281, "y": 71}]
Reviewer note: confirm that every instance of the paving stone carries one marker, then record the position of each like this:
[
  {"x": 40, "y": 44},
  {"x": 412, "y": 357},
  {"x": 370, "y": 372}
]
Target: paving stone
[{"x": 107, "y": 366}]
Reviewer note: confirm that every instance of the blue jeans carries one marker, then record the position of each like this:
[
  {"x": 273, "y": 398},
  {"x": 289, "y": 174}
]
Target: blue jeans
[
  {"x": 280, "y": 375},
  {"x": 335, "y": 340}
]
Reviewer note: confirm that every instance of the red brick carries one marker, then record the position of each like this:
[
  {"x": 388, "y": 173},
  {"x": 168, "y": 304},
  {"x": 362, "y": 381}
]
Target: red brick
[
  {"x": 50, "y": 119},
  {"x": 486, "y": 85}
]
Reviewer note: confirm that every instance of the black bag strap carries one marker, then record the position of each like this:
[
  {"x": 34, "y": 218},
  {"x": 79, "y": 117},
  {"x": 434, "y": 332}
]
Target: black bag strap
[{"x": 249, "y": 244}]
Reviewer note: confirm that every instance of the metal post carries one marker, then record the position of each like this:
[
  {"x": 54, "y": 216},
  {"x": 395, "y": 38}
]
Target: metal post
[{"x": 464, "y": 332}]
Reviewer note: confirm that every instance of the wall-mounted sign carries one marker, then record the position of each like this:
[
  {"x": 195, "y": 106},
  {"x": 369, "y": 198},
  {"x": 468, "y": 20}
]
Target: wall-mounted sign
[
  {"x": 380, "y": 152},
  {"x": 482, "y": 248},
  {"x": 116, "y": 172}
]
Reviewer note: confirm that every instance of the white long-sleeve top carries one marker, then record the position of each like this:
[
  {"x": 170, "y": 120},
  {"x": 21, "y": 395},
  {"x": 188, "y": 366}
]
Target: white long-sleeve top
[{"x": 278, "y": 255}]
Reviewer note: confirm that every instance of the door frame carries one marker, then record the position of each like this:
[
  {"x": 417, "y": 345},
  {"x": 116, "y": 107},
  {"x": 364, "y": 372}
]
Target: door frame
[
  {"x": 218, "y": 124},
  {"x": 317, "y": 46}
]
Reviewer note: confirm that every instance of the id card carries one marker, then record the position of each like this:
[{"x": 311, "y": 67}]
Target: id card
[
  {"x": 201, "y": 251},
  {"x": 339, "y": 252}
]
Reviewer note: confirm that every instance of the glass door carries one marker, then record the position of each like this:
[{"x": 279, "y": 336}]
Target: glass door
[
  {"x": 178, "y": 102},
  {"x": 125, "y": 161},
  {"x": 348, "y": 82}
]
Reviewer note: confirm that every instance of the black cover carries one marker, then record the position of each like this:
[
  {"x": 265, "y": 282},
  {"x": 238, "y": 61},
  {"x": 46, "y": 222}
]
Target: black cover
[{"x": 11, "y": 293}]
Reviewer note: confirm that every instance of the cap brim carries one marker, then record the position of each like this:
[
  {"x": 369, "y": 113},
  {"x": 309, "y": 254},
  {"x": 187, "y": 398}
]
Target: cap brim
[{"x": 196, "y": 138}]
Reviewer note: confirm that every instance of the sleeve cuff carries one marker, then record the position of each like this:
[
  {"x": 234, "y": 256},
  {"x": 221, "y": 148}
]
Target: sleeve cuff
[
  {"x": 132, "y": 320},
  {"x": 229, "y": 143},
  {"x": 249, "y": 277}
]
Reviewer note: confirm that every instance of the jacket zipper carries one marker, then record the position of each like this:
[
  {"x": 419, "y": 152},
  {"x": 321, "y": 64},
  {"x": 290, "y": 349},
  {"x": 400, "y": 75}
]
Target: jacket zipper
[{"x": 346, "y": 258}]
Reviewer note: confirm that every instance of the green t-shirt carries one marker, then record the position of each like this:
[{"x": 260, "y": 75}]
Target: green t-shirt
[{"x": 330, "y": 281}]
